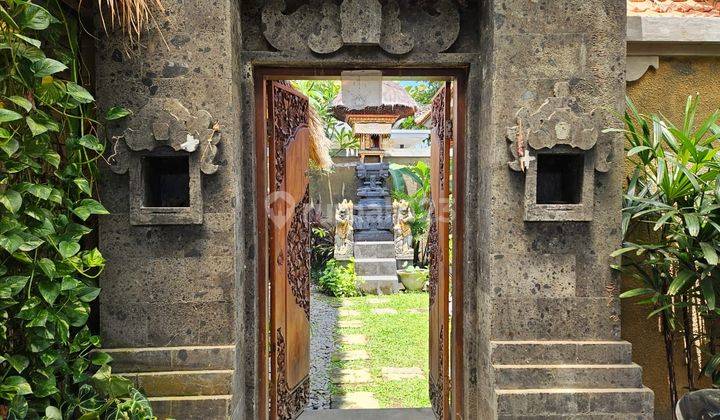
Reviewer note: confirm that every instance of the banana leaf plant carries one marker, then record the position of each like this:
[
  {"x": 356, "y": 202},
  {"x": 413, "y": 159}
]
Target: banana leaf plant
[
  {"x": 418, "y": 199},
  {"x": 671, "y": 226}
]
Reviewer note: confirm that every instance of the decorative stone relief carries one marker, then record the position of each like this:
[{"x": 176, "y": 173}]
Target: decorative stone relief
[
  {"x": 165, "y": 148},
  {"x": 402, "y": 217},
  {"x": 170, "y": 124},
  {"x": 327, "y": 28},
  {"x": 637, "y": 65},
  {"x": 558, "y": 121},
  {"x": 566, "y": 141},
  {"x": 344, "y": 231}
]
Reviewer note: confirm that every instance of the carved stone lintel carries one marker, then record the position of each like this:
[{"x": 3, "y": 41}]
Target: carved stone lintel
[
  {"x": 558, "y": 121},
  {"x": 327, "y": 28}
]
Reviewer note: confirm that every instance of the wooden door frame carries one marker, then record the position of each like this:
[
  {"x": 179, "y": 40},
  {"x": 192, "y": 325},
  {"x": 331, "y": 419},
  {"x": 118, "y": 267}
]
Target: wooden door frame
[{"x": 459, "y": 75}]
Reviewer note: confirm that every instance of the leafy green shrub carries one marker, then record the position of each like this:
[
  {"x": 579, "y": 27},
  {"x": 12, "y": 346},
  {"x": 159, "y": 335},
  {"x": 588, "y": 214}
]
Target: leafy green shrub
[
  {"x": 671, "y": 224},
  {"x": 48, "y": 155},
  {"x": 338, "y": 279}
]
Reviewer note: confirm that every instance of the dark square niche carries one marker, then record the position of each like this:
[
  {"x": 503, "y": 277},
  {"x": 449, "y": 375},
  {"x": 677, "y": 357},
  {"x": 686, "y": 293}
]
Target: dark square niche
[
  {"x": 165, "y": 188},
  {"x": 560, "y": 178},
  {"x": 166, "y": 181},
  {"x": 559, "y": 185}
]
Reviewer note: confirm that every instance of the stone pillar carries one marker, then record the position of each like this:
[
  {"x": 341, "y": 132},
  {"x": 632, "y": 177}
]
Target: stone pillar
[
  {"x": 167, "y": 305},
  {"x": 547, "y": 298}
]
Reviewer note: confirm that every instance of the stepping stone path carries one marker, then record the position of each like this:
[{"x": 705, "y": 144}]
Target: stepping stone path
[
  {"x": 350, "y": 376},
  {"x": 418, "y": 310},
  {"x": 348, "y": 312},
  {"x": 347, "y": 303},
  {"x": 350, "y": 323},
  {"x": 351, "y": 355},
  {"x": 353, "y": 339},
  {"x": 401, "y": 374},
  {"x": 384, "y": 311},
  {"x": 377, "y": 301},
  {"x": 355, "y": 400}
]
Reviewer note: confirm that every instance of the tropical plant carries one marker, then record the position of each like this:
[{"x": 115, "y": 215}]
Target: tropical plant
[
  {"x": 423, "y": 93},
  {"x": 671, "y": 225},
  {"x": 338, "y": 279},
  {"x": 48, "y": 270},
  {"x": 321, "y": 94},
  {"x": 418, "y": 199},
  {"x": 322, "y": 240}
]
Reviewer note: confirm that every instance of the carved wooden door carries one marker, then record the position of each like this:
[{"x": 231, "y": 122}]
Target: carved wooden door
[
  {"x": 439, "y": 247},
  {"x": 289, "y": 262}
]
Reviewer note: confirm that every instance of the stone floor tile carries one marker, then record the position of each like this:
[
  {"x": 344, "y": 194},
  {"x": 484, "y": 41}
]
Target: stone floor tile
[
  {"x": 348, "y": 312},
  {"x": 350, "y": 323},
  {"x": 400, "y": 374},
  {"x": 350, "y": 376},
  {"x": 355, "y": 400},
  {"x": 377, "y": 300},
  {"x": 351, "y": 355},
  {"x": 352, "y": 339},
  {"x": 384, "y": 311}
]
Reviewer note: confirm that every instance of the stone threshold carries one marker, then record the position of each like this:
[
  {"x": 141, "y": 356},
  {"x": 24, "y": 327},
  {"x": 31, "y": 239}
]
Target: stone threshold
[{"x": 370, "y": 414}]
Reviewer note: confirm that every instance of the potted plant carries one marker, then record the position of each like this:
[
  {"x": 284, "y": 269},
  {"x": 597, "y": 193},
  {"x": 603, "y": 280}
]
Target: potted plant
[{"x": 413, "y": 277}]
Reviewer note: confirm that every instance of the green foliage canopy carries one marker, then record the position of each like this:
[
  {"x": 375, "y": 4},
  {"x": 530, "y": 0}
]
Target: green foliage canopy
[
  {"x": 48, "y": 155},
  {"x": 671, "y": 219}
]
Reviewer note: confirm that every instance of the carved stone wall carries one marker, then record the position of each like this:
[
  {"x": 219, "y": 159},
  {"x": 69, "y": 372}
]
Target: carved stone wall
[
  {"x": 170, "y": 289},
  {"x": 196, "y": 285}
]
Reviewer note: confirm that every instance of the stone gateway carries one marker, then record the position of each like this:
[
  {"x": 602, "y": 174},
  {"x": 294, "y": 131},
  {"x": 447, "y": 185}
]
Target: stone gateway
[{"x": 538, "y": 319}]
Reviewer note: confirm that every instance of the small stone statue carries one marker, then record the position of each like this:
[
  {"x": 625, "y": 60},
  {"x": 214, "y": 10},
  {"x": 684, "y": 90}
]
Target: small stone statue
[
  {"x": 344, "y": 231},
  {"x": 402, "y": 217}
]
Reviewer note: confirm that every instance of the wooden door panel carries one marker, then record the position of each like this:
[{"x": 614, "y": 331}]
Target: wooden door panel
[
  {"x": 438, "y": 243},
  {"x": 289, "y": 240}
]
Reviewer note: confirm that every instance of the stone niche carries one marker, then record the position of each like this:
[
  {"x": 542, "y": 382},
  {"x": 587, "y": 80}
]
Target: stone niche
[
  {"x": 558, "y": 148},
  {"x": 165, "y": 149}
]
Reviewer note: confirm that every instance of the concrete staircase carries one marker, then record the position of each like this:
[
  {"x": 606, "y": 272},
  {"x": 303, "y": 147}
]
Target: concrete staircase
[
  {"x": 568, "y": 379},
  {"x": 376, "y": 268},
  {"x": 192, "y": 382}
]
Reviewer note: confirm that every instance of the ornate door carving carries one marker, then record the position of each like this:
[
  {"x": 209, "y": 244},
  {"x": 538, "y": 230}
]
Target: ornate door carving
[
  {"x": 289, "y": 262},
  {"x": 439, "y": 247}
]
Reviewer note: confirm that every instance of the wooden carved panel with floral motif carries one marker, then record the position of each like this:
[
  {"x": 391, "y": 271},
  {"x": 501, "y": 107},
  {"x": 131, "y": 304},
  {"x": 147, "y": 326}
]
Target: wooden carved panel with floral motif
[
  {"x": 289, "y": 237},
  {"x": 438, "y": 246}
]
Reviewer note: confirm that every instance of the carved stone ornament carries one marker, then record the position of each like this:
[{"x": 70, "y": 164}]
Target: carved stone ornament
[
  {"x": 402, "y": 217},
  {"x": 323, "y": 26},
  {"x": 166, "y": 122},
  {"x": 558, "y": 121},
  {"x": 344, "y": 230}
]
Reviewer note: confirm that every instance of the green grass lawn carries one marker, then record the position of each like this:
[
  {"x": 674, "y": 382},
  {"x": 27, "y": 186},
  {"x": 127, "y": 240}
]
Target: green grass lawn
[{"x": 393, "y": 340}]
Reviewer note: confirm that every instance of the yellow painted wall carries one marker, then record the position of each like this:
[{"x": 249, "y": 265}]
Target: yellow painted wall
[{"x": 665, "y": 91}]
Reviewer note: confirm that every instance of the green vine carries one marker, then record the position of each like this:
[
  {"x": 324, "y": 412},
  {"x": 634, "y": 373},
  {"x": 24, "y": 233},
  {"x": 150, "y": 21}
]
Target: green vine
[{"x": 49, "y": 367}]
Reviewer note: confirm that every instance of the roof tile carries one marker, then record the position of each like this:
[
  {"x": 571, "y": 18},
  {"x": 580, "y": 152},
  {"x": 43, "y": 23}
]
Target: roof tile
[{"x": 695, "y": 8}]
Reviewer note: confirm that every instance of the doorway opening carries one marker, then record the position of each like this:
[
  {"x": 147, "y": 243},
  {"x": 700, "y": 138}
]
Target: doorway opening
[{"x": 363, "y": 297}]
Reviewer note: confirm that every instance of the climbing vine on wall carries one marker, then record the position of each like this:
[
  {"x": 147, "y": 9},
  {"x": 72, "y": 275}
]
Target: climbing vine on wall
[{"x": 48, "y": 153}]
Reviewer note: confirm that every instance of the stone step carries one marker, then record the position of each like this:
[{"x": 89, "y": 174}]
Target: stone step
[
  {"x": 183, "y": 382},
  {"x": 605, "y": 403},
  {"x": 560, "y": 352},
  {"x": 375, "y": 249},
  {"x": 375, "y": 267},
  {"x": 567, "y": 376},
  {"x": 157, "y": 359},
  {"x": 369, "y": 414},
  {"x": 198, "y": 407},
  {"x": 379, "y": 285},
  {"x": 355, "y": 400}
]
